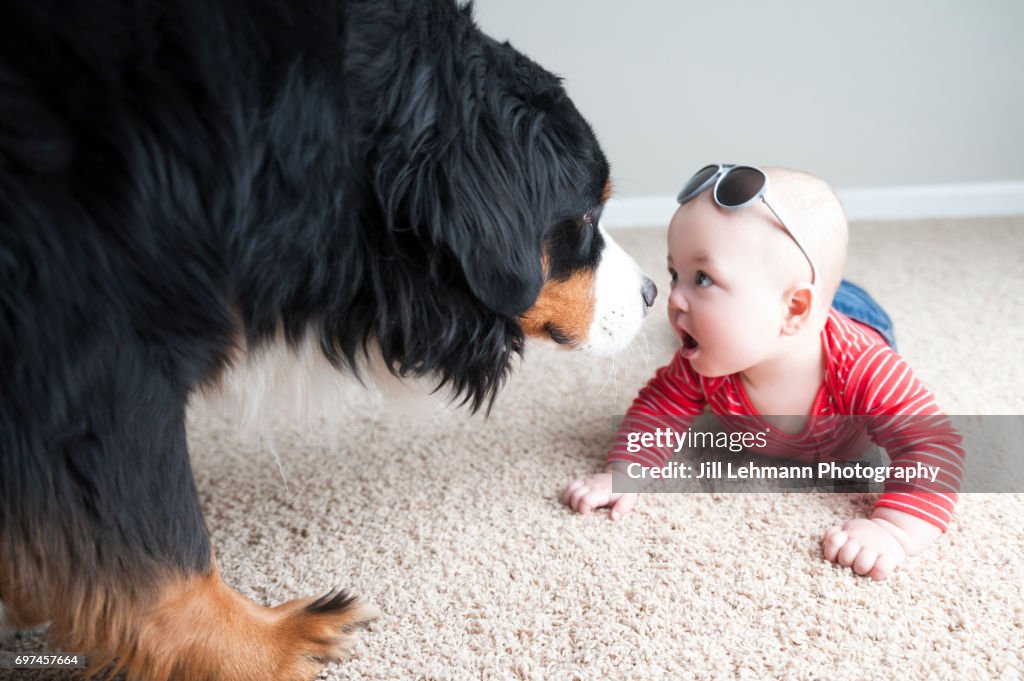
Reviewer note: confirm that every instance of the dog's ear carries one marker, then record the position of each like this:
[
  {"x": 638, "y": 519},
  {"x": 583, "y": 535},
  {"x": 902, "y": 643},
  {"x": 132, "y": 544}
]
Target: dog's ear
[
  {"x": 487, "y": 222},
  {"x": 470, "y": 207},
  {"x": 477, "y": 183}
]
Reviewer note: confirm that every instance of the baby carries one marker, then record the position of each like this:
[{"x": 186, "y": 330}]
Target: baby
[{"x": 754, "y": 273}]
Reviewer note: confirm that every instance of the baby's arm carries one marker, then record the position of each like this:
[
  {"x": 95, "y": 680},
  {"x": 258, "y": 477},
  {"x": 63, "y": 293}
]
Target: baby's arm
[
  {"x": 875, "y": 546},
  {"x": 905, "y": 420}
]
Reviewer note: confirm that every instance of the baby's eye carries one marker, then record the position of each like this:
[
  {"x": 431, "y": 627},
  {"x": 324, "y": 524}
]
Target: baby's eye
[
  {"x": 674, "y": 276},
  {"x": 702, "y": 280}
]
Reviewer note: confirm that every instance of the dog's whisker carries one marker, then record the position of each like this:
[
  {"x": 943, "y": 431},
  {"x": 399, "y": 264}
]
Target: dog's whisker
[
  {"x": 604, "y": 383},
  {"x": 610, "y": 377},
  {"x": 642, "y": 336},
  {"x": 615, "y": 382},
  {"x": 268, "y": 441}
]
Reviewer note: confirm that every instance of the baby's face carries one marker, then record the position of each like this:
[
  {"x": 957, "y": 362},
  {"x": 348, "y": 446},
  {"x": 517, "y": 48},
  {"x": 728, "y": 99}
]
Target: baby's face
[{"x": 727, "y": 299}]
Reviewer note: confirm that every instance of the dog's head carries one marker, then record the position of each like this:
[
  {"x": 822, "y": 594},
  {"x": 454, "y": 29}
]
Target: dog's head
[{"x": 491, "y": 185}]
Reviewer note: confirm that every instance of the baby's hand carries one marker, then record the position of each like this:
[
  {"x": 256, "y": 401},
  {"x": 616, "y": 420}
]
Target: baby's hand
[
  {"x": 865, "y": 546},
  {"x": 583, "y": 496},
  {"x": 875, "y": 546}
]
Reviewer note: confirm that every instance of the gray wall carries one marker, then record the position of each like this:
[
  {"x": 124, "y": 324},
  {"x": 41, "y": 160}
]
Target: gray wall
[{"x": 864, "y": 93}]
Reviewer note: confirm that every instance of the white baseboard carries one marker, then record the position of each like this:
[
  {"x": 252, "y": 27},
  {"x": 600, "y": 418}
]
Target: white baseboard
[
  {"x": 890, "y": 203},
  {"x": 934, "y": 201}
]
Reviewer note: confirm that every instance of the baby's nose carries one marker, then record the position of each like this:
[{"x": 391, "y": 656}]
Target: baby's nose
[{"x": 677, "y": 301}]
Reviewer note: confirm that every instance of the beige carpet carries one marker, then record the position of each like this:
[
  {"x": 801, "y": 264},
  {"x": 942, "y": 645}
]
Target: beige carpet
[{"x": 452, "y": 527}]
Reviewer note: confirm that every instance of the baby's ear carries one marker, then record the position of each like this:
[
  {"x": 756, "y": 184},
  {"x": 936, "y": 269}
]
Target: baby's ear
[{"x": 799, "y": 305}]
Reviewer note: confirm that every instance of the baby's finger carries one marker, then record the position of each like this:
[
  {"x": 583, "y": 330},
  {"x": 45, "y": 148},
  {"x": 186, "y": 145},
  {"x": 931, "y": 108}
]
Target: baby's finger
[
  {"x": 595, "y": 498},
  {"x": 865, "y": 561},
  {"x": 574, "y": 498},
  {"x": 884, "y": 567},
  {"x": 833, "y": 542},
  {"x": 623, "y": 506},
  {"x": 573, "y": 486},
  {"x": 848, "y": 553}
]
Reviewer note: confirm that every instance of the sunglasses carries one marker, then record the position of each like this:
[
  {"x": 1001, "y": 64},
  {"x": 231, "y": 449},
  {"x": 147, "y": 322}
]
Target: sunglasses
[{"x": 737, "y": 187}]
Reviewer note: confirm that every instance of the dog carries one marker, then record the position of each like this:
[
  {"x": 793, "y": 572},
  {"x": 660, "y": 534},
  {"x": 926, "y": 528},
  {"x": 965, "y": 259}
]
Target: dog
[{"x": 185, "y": 183}]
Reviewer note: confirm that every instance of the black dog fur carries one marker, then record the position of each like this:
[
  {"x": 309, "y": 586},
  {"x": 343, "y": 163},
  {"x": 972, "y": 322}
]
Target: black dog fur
[{"x": 181, "y": 179}]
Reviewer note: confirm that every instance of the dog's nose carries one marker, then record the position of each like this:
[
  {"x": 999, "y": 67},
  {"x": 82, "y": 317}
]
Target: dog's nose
[{"x": 649, "y": 292}]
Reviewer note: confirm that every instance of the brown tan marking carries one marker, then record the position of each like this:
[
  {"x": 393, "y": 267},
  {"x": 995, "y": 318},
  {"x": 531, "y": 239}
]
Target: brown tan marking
[
  {"x": 607, "y": 194},
  {"x": 188, "y": 628},
  {"x": 202, "y": 629},
  {"x": 567, "y": 306}
]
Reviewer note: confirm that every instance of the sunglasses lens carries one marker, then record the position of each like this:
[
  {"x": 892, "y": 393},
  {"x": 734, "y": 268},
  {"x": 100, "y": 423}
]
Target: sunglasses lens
[
  {"x": 740, "y": 186},
  {"x": 696, "y": 182}
]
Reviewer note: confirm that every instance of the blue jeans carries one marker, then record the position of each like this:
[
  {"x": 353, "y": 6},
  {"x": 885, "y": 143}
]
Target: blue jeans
[{"x": 855, "y": 303}]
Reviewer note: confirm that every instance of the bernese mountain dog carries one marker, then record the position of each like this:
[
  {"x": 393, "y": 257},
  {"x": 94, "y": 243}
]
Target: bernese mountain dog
[{"x": 182, "y": 183}]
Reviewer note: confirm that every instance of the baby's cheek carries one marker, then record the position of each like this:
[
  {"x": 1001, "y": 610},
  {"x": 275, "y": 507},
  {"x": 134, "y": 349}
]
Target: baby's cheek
[{"x": 739, "y": 350}]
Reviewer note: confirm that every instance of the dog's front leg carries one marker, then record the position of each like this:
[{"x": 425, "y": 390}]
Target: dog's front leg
[{"x": 101, "y": 536}]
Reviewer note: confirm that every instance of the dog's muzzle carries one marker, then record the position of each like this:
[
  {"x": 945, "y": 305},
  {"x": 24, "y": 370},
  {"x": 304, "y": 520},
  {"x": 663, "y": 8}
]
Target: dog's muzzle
[{"x": 618, "y": 310}]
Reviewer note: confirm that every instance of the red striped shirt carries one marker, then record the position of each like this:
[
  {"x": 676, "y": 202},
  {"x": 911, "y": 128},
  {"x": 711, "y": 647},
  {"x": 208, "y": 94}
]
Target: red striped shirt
[{"x": 864, "y": 377}]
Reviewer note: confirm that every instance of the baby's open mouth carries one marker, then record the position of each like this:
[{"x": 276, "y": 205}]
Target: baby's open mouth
[{"x": 689, "y": 344}]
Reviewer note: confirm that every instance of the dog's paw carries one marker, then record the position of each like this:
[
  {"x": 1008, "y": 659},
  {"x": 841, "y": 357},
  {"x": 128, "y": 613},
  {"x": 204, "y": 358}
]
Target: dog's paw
[
  {"x": 290, "y": 642},
  {"x": 202, "y": 630},
  {"x": 316, "y": 631}
]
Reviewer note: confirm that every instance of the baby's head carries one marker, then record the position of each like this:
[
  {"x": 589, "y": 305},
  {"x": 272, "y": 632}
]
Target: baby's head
[{"x": 741, "y": 286}]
